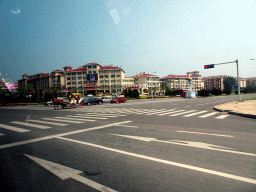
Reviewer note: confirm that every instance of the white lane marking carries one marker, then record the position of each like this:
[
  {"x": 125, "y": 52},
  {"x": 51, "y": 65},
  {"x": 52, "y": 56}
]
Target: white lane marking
[
  {"x": 61, "y": 134},
  {"x": 1, "y": 134},
  {"x": 172, "y": 111},
  {"x": 187, "y": 106},
  {"x": 176, "y": 114},
  {"x": 160, "y": 111},
  {"x": 98, "y": 115},
  {"x": 75, "y": 118},
  {"x": 64, "y": 172},
  {"x": 30, "y": 125},
  {"x": 226, "y": 175},
  {"x": 189, "y": 144},
  {"x": 209, "y": 114},
  {"x": 46, "y": 122},
  {"x": 12, "y": 128},
  {"x": 127, "y": 126},
  {"x": 84, "y": 117},
  {"x": 62, "y": 120},
  {"x": 205, "y": 133},
  {"x": 221, "y": 117},
  {"x": 194, "y": 113}
]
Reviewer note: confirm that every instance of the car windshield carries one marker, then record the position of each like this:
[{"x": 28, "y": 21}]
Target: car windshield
[{"x": 160, "y": 82}]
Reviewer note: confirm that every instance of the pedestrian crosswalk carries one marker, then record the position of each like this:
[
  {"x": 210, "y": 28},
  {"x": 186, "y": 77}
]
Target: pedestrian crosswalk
[
  {"x": 95, "y": 114},
  {"x": 47, "y": 123},
  {"x": 158, "y": 112}
]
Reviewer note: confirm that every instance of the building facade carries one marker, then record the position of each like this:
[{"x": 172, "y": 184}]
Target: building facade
[
  {"x": 180, "y": 82},
  {"x": 214, "y": 82},
  {"x": 93, "y": 78},
  {"x": 251, "y": 81}
]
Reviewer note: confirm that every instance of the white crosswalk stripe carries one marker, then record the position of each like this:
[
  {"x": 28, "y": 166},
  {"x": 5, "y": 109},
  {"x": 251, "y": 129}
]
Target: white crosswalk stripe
[
  {"x": 12, "y": 128},
  {"x": 209, "y": 114},
  {"x": 182, "y": 113},
  {"x": 47, "y": 122},
  {"x": 194, "y": 114},
  {"x": 83, "y": 117},
  {"x": 222, "y": 116},
  {"x": 63, "y": 120},
  {"x": 75, "y": 118},
  {"x": 30, "y": 125}
]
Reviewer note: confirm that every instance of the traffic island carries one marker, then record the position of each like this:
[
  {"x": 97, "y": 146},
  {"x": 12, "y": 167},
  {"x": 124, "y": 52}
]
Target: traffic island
[{"x": 244, "y": 108}]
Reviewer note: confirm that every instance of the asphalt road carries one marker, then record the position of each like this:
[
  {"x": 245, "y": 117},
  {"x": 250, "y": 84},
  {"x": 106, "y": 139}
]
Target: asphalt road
[{"x": 171, "y": 144}]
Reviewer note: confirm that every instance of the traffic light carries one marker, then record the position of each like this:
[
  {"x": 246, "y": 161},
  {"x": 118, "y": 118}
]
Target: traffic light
[{"x": 208, "y": 66}]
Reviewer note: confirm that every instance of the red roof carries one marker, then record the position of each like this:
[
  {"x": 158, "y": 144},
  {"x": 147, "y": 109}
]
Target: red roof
[
  {"x": 144, "y": 75},
  {"x": 79, "y": 69},
  {"x": 90, "y": 85},
  {"x": 176, "y": 76},
  {"x": 109, "y": 67}
]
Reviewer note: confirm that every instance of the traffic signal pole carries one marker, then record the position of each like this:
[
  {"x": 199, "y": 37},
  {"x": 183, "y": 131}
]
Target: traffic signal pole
[{"x": 238, "y": 83}]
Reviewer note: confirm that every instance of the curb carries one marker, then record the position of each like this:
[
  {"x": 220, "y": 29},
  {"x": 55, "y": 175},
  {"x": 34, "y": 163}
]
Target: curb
[{"x": 235, "y": 113}]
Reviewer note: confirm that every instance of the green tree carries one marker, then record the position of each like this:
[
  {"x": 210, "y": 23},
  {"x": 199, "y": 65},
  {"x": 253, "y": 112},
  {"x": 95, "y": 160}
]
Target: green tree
[{"x": 228, "y": 82}]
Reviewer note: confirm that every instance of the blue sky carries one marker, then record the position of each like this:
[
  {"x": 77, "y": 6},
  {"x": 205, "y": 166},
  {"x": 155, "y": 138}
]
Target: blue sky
[{"x": 162, "y": 36}]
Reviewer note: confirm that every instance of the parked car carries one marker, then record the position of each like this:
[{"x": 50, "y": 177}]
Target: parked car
[
  {"x": 92, "y": 101},
  {"x": 90, "y": 95},
  {"x": 106, "y": 99},
  {"x": 48, "y": 103},
  {"x": 118, "y": 100}
]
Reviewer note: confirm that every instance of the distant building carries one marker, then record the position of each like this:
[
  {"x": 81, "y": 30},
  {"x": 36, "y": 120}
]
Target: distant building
[
  {"x": 93, "y": 78},
  {"x": 180, "y": 82},
  {"x": 147, "y": 83},
  {"x": 242, "y": 82},
  {"x": 214, "y": 82},
  {"x": 251, "y": 81}
]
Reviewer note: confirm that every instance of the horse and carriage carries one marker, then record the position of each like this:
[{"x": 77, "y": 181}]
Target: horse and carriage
[{"x": 68, "y": 101}]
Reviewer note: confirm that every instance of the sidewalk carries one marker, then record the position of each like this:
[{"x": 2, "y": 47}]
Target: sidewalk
[{"x": 245, "y": 108}]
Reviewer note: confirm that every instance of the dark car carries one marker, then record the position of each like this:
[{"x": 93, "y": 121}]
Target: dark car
[
  {"x": 118, "y": 100},
  {"x": 92, "y": 101}
]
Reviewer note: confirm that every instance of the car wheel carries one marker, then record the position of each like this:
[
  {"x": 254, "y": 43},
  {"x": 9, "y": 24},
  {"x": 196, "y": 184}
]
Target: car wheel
[
  {"x": 99, "y": 103},
  {"x": 88, "y": 103}
]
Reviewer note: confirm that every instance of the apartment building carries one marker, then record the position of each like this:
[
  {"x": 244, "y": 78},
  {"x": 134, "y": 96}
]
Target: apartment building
[
  {"x": 180, "y": 82},
  {"x": 251, "y": 81},
  {"x": 147, "y": 82},
  {"x": 214, "y": 82},
  {"x": 93, "y": 78},
  {"x": 242, "y": 82},
  {"x": 42, "y": 81}
]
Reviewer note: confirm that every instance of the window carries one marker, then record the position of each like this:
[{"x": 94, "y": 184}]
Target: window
[
  {"x": 101, "y": 76},
  {"x": 113, "y": 81},
  {"x": 85, "y": 82},
  {"x": 73, "y": 73},
  {"x": 73, "y": 78},
  {"x": 106, "y": 76},
  {"x": 73, "y": 83},
  {"x": 118, "y": 81},
  {"x": 89, "y": 66},
  {"x": 101, "y": 81},
  {"x": 112, "y": 71},
  {"x": 118, "y": 76},
  {"x": 68, "y": 73},
  {"x": 94, "y": 72},
  {"x": 79, "y": 78},
  {"x": 106, "y": 71},
  {"x": 69, "y": 83},
  {"x": 79, "y": 73},
  {"x": 106, "y": 81},
  {"x": 107, "y": 86},
  {"x": 94, "y": 66},
  {"x": 112, "y": 76},
  {"x": 84, "y": 73},
  {"x": 84, "y": 77},
  {"x": 80, "y": 82},
  {"x": 112, "y": 85},
  {"x": 118, "y": 71},
  {"x": 118, "y": 85},
  {"x": 68, "y": 78},
  {"x": 90, "y": 72},
  {"x": 100, "y": 72}
]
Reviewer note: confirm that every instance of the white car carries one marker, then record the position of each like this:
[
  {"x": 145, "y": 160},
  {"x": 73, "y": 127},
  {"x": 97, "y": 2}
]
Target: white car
[{"x": 106, "y": 99}]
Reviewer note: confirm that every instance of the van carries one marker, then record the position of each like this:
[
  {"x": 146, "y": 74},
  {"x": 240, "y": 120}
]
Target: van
[{"x": 106, "y": 99}]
